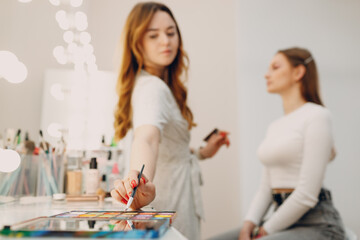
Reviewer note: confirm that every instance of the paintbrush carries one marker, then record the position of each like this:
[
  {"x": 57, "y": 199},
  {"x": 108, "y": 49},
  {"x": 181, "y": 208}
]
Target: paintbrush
[
  {"x": 17, "y": 138},
  {"x": 28, "y": 144},
  {"x": 135, "y": 188},
  {"x": 44, "y": 145}
]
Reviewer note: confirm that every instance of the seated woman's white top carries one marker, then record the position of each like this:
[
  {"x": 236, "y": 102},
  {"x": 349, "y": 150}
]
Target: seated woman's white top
[{"x": 295, "y": 152}]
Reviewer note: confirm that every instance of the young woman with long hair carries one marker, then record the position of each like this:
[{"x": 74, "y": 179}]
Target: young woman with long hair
[
  {"x": 153, "y": 103},
  {"x": 295, "y": 152}
]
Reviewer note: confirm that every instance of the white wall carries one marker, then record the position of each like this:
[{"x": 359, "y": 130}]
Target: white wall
[
  {"x": 30, "y": 32},
  {"x": 330, "y": 30}
]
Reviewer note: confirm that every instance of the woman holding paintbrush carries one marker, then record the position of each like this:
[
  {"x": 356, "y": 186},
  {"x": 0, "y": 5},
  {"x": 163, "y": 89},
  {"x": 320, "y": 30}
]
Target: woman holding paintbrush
[{"x": 153, "y": 103}]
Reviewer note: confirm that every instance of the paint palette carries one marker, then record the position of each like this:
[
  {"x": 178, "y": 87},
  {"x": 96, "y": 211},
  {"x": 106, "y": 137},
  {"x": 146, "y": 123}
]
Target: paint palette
[
  {"x": 119, "y": 215},
  {"x": 95, "y": 224}
]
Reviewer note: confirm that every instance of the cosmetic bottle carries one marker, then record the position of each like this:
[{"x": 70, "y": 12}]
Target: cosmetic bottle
[
  {"x": 74, "y": 179},
  {"x": 114, "y": 175},
  {"x": 92, "y": 178},
  {"x": 103, "y": 184}
]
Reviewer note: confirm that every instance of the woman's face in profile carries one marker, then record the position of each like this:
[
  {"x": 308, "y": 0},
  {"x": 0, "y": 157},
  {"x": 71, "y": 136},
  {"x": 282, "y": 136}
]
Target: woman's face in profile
[
  {"x": 280, "y": 76},
  {"x": 161, "y": 41}
]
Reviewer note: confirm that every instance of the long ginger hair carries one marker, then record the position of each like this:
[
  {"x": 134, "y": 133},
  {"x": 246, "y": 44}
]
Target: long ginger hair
[{"x": 133, "y": 61}]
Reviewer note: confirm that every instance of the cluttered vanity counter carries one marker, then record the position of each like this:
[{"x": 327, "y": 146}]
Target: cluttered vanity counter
[
  {"x": 64, "y": 194},
  {"x": 32, "y": 207}
]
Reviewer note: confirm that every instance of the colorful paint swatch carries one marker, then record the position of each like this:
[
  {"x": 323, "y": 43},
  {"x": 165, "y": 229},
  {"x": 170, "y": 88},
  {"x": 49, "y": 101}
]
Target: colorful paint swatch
[
  {"x": 88, "y": 215},
  {"x": 107, "y": 215},
  {"x": 119, "y": 215},
  {"x": 163, "y": 216},
  {"x": 146, "y": 213}
]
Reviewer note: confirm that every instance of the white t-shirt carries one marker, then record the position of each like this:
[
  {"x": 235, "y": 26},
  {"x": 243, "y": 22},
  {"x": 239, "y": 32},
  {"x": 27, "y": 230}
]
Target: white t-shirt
[
  {"x": 178, "y": 177},
  {"x": 295, "y": 153}
]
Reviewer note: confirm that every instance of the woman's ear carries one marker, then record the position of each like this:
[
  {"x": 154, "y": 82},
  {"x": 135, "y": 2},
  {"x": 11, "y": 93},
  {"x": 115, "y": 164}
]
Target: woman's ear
[{"x": 299, "y": 72}]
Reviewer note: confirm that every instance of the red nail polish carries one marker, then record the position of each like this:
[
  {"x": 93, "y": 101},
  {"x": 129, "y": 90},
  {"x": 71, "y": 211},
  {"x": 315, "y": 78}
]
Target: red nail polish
[
  {"x": 124, "y": 201},
  {"x": 223, "y": 134},
  {"x": 143, "y": 179},
  {"x": 127, "y": 197},
  {"x": 133, "y": 183}
]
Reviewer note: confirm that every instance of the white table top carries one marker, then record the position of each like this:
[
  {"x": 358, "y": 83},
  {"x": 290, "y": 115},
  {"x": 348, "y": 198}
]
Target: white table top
[{"x": 28, "y": 208}]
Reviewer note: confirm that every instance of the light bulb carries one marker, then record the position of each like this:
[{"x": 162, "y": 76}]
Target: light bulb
[
  {"x": 19, "y": 73},
  {"x": 58, "y": 51},
  {"x": 9, "y": 160},
  {"x": 88, "y": 48},
  {"x": 76, "y": 3},
  {"x": 6, "y": 56},
  {"x": 81, "y": 21},
  {"x": 62, "y": 59},
  {"x": 11, "y": 68},
  {"x": 68, "y": 36},
  {"x": 85, "y": 38},
  {"x": 72, "y": 47},
  {"x": 62, "y": 19},
  {"x": 55, "y": 2}
]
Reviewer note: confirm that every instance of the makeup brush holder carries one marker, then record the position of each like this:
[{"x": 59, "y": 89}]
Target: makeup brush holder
[
  {"x": 51, "y": 174},
  {"x": 22, "y": 181},
  {"x": 37, "y": 175}
]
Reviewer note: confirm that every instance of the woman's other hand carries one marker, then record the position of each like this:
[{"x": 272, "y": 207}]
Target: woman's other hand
[
  {"x": 246, "y": 230},
  {"x": 123, "y": 189},
  {"x": 214, "y": 143},
  {"x": 262, "y": 233}
]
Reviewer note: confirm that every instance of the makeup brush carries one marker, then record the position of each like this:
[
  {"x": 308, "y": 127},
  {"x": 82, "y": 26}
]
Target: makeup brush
[
  {"x": 43, "y": 144},
  {"x": 17, "y": 138},
  {"x": 135, "y": 188},
  {"x": 28, "y": 144}
]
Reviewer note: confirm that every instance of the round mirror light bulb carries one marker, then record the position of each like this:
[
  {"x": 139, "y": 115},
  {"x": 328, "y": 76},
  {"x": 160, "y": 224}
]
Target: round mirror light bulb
[
  {"x": 11, "y": 68},
  {"x": 68, "y": 36},
  {"x": 55, "y": 2},
  {"x": 76, "y": 3},
  {"x": 9, "y": 160},
  {"x": 81, "y": 22},
  {"x": 85, "y": 38}
]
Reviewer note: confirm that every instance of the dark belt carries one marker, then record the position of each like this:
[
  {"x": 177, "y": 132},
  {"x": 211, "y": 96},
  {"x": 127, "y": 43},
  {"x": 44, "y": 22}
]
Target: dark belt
[{"x": 279, "y": 198}]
